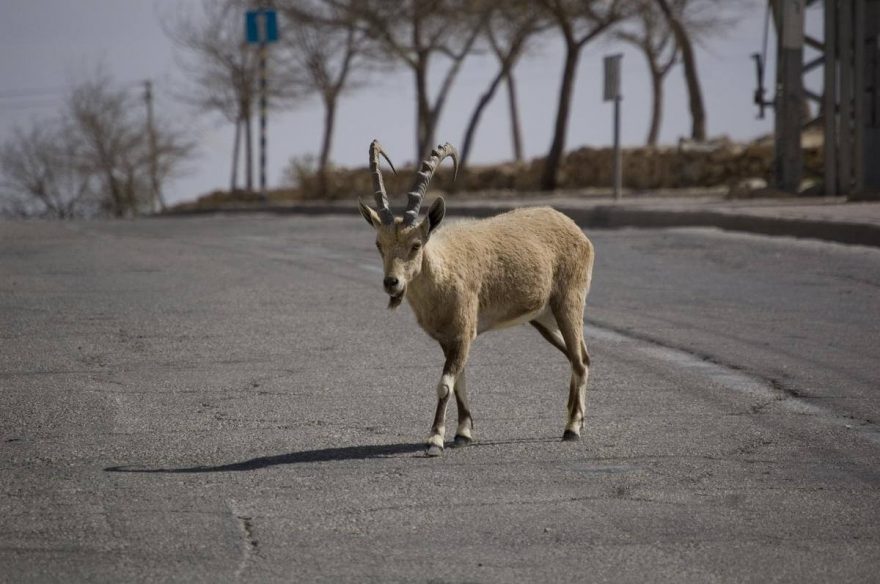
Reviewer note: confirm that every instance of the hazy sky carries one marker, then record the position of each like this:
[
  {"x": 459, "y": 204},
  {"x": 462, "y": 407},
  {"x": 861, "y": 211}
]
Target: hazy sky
[{"x": 45, "y": 45}]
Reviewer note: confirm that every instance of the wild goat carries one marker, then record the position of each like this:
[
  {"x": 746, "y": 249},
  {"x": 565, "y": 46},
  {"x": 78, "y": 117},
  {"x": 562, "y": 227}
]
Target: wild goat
[{"x": 529, "y": 265}]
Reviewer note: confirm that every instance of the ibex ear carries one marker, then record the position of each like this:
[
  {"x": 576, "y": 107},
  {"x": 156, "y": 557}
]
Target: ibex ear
[
  {"x": 371, "y": 216},
  {"x": 435, "y": 215}
]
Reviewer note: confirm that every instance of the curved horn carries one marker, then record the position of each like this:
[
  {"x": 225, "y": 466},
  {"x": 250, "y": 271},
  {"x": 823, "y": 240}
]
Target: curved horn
[
  {"x": 424, "y": 177},
  {"x": 378, "y": 184}
]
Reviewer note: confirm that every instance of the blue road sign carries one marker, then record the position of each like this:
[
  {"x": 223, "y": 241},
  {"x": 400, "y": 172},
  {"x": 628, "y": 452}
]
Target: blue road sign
[{"x": 261, "y": 21}]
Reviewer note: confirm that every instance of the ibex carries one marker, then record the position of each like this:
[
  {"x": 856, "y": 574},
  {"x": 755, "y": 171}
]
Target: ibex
[{"x": 528, "y": 265}]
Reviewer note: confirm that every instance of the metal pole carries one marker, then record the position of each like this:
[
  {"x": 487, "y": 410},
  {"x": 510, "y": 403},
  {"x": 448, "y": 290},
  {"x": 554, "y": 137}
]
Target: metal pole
[
  {"x": 859, "y": 96},
  {"x": 789, "y": 100},
  {"x": 611, "y": 92},
  {"x": 845, "y": 144},
  {"x": 829, "y": 99},
  {"x": 263, "y": 105},
  {"x": 618, "y": 167},
  {"x": 871, "y": 120},
  {"x": 156, "y": 198}
]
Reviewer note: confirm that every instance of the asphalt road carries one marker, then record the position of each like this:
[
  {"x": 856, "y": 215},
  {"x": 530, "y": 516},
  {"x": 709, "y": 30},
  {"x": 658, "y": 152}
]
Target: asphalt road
[{"x": 227, "y": 399}]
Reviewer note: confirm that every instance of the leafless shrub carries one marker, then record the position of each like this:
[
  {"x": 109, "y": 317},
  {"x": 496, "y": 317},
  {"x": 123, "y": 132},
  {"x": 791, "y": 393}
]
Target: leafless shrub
[
  {"x": 93, "y": 159},
  {"x": 40, "y": 176}
]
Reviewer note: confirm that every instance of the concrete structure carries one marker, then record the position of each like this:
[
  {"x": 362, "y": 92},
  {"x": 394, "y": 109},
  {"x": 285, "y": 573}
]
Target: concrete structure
[{"x": 850, "y": 55}]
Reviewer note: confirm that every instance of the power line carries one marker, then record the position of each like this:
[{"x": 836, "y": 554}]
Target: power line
[
  {"x": 51, "y": 101},
  {"x": 57, "y": 90},
  {"x": 25, "y": 93}
]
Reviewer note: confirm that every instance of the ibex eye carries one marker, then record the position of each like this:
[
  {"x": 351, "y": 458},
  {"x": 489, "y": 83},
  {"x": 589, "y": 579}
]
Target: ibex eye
[{"x": 416, "y": 246}]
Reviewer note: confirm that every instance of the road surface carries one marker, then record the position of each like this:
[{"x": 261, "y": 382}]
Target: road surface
[{"x": 223, "y": 399}]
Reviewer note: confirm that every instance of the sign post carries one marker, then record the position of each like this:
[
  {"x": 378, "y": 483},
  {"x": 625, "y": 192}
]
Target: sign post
[
  {"x": 612, "y": 93},
  {"x": 261, "y": 28}
]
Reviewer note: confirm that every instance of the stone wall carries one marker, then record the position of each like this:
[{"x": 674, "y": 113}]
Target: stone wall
[{"x": 717, "y": 163}]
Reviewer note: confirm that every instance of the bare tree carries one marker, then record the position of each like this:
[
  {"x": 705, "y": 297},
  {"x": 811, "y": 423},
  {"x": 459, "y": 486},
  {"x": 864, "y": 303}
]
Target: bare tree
[
  {"x": 109, "y": 144},
  {"x": 650, "y": 33},
  {"x": 579, "y": 22},
  {"x": 95, "y": 157},
  {"x": 508, "y": 27},
  {"x": 99, "y": 115},
  {"x": 691, "y": 22},
  {"x": 223, "y": 71},
  {"x": 414, "y": 33},
  {"x": 324, "y": 47},
  {"x": 692, "y": 80},
  {"x": 39, "y": 176}
]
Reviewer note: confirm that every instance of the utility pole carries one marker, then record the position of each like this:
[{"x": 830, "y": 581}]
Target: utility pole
[
  {"x": 789, "y": 159},
  {"x": 829, "y": 98},
  {"x": 156, "y": 199},
  {"x": 851, "y": 97}
]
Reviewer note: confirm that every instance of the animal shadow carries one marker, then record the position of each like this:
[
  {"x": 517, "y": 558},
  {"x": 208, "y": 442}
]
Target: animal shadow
[{"x": 303, "y": 457}]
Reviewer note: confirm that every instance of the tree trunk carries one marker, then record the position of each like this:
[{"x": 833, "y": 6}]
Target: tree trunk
[
  {"x": 329, "y": 120},
  {"x": 130, "y": 194},
  {"x": 248, "y": 150},
  {"x": 423, "y": 111},
  {"x": 656, "y": 108},
  {"x": 507, "y": 62},
  {"x": 475, "y": 117},
  {"x": 695, "y": 94},
  {"x": 430, "y": 113},
  {"x": 116, "y": 196},
  {"x": 430, "y": 130},
  {"x": 549, "y": 177},
  {"x": 233, "y": 180},
  {"x": 516, "y": 134}
]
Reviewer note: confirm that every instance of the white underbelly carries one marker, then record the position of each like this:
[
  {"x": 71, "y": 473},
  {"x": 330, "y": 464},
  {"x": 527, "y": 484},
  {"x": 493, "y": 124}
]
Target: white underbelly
[{"x": 489, "y": 321}]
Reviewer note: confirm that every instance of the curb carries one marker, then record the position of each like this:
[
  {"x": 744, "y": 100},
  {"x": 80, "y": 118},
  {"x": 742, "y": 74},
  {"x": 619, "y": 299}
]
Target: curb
[
  {"x": 617, "y": 217},
  {"x": 834, "y": 231}
]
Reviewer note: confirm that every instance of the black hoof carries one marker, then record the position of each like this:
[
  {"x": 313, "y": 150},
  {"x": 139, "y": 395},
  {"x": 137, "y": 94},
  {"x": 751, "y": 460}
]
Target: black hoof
[
  {"x": 461, "y": 441},
  {"x": 434, "y": 450},
  {"x": 570, "y": 436}
]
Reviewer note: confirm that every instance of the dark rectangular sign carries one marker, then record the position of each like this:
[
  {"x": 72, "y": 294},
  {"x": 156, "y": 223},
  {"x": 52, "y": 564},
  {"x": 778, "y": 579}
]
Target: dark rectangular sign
[
  {"x": 257, "y": 22},
  {"x": 612, "y": 77}
]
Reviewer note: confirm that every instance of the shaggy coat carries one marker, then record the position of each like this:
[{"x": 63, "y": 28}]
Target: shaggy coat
[{"x": 529, "y": 265}]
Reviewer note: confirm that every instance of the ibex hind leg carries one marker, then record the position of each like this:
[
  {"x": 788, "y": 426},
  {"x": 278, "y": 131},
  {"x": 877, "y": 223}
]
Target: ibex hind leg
[
  {"x": 569, "y": 318},
  {"x": 464, "y": 433},
  {"x": 545, "y": 324}
]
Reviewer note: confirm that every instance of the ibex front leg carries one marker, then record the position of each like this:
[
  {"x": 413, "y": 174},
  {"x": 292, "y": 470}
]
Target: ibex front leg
[{"x": 453, "y": 374}]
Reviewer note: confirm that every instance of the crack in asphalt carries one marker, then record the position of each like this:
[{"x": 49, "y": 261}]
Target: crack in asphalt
[
  {"x": 767, "y": 392},
  {"x": 245, "y": 527}
]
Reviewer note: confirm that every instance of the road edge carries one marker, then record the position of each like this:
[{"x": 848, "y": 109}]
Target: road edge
[{"x": 616, "y": 217}]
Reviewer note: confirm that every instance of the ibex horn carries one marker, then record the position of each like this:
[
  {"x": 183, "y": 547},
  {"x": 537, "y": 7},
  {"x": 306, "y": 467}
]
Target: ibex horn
[
  {"x": 423, "y": 177},
  {"x": 378, "y": 184}
]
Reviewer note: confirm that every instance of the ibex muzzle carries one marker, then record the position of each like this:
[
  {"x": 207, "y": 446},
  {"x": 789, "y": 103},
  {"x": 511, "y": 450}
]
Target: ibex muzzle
[{"x": 529, "y": 265}]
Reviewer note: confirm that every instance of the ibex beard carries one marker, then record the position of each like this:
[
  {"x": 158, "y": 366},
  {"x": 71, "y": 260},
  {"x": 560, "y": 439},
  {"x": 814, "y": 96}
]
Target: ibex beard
[{"x": 528, "y": 265}]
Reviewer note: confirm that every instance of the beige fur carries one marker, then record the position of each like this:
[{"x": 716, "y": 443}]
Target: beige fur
[{"x": 529, "y": 265}]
